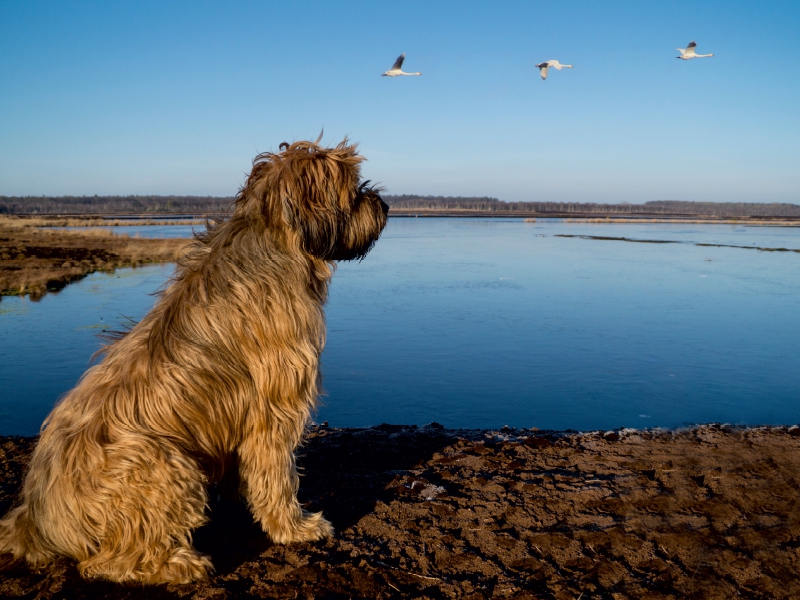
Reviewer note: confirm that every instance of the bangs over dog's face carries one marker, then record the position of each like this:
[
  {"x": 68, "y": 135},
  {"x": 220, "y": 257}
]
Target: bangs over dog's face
[{"x": 318, "y": 194}]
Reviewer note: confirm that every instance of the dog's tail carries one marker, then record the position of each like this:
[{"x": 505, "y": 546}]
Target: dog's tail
[{"x": 18, "y": 541}]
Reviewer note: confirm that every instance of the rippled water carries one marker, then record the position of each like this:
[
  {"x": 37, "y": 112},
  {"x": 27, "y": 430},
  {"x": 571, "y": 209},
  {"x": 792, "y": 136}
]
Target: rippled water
[{"x": 482, "y": 323}]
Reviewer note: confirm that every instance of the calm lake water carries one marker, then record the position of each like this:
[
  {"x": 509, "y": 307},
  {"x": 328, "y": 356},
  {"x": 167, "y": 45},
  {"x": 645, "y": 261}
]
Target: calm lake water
[
  {"x": 151, "y": 231},
  {"x": 483, "y": 323}
]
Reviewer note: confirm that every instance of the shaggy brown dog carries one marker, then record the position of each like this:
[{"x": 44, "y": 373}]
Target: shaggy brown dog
[{"x": 225, "y": 365}]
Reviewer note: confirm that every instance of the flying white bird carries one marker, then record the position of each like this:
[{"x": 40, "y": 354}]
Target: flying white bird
[
  {"x": 688, "y": 52},
  {"x": 397, "y": 68},
  {"x": 551, "y": 63}
]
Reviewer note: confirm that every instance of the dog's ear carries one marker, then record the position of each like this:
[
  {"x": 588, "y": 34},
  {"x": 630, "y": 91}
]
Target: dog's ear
[{"x": 310, "y": 189}]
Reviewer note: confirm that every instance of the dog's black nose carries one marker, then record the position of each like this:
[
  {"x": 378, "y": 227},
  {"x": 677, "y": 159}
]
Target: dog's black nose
[{"x": 385, "y": 207}]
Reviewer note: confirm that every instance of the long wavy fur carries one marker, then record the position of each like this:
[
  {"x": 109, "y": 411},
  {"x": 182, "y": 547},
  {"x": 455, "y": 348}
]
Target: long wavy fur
[{"x": 225, "y": 366}]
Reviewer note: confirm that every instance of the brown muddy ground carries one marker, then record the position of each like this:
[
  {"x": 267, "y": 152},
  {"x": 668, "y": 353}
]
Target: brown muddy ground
[
  {"x": 36, "y": 259},
  {"x": 711, "y": 512}
]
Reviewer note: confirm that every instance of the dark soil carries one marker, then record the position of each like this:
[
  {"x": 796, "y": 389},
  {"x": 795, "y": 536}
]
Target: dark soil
[{"x": 711, "y": 512}]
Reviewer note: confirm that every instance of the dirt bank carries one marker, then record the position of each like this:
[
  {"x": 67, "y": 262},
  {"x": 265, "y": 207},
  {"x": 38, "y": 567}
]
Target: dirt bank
[
  {"x": 36, "y": 259},
  {"x": 711, "y": 512}
]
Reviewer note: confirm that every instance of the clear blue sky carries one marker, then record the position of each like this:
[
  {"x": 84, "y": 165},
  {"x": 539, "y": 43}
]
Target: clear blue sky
[{"x": 177, "y": 97}]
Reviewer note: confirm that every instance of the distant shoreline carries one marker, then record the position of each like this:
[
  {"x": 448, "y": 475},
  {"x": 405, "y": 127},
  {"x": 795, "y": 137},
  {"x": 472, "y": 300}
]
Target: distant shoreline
[
  {"x": 600, "y": 217},
  {"x": 127, "y": 219},
  {"x": 401, "y": 205}
]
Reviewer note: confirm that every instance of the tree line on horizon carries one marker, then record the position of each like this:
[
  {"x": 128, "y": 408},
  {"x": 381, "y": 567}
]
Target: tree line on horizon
[
  {"x": 81, "y": 205},
  {"x": 654, "y": 207},
  {"x": 77, "y": 205}
]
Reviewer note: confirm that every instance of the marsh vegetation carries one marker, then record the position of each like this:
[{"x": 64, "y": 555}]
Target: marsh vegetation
[{"x": 37, "y": 256}]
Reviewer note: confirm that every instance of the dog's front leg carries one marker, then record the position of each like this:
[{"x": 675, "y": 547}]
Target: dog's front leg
[{"x": 270, "y": 483}]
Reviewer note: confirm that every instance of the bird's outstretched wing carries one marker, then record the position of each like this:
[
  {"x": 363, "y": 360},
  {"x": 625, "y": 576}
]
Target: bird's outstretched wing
[
  {"x": 691, "y": 45},
  {"x": 543, "y": 69},
  {"x": 398, "y": 64}
]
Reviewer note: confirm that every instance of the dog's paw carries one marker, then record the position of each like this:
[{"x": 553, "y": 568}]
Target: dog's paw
[
  {"x": 310, "y": 527},
  {"x": 182, "y": 565}
]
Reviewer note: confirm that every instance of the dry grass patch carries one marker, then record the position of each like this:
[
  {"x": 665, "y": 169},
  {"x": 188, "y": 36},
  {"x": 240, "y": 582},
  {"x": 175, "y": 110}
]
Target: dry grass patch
[
  {"x": 27, "y": 222},
  {"x": 36, "y": 259}
]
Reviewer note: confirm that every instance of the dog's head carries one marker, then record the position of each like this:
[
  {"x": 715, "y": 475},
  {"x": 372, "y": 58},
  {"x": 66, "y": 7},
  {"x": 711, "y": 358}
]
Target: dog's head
[{"x": 316, "y": 195}]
